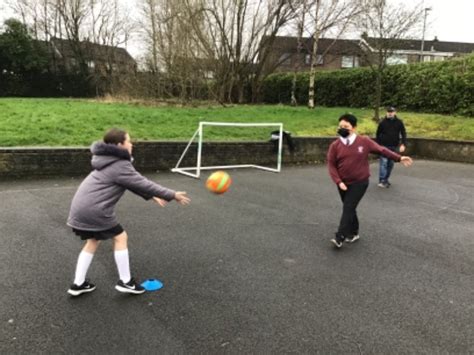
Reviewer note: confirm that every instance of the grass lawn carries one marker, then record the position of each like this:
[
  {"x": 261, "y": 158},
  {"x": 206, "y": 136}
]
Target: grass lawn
[{"x": 77, "y": 122}]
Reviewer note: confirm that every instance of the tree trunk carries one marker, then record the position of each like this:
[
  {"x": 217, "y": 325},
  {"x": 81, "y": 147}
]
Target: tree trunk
[
  {"x": 296, "y": 67},
  {"x": 294, "y": 102},
  {"x": 241, "y": 91},
  {"x": 312, "y": 73},
  {"x": 378, "y": 95},
  {"x": 255, "y": 91},
  {"x": 314, "y": 58},
  {"x": 378, "y": 85}
]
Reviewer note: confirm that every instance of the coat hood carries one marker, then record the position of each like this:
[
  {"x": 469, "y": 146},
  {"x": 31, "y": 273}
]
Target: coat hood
[{"x": 104, "y": 154}]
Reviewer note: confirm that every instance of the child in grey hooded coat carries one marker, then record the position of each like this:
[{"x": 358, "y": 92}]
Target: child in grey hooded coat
[{"x": 92, "y": 215}]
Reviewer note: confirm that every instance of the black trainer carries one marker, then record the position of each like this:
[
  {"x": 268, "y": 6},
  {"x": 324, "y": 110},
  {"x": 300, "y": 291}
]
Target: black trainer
[
  {"x": 337, "y": 241},
  {"x": 86, "y": 287},
  {"x": 130, "y": 287},
  {"x": 352, "y": 239}
]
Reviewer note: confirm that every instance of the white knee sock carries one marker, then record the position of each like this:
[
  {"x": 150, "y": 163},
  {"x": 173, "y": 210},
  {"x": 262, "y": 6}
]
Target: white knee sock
[
  {"x": 83, "y": 262},
  {"x": 123, "y": 265}
]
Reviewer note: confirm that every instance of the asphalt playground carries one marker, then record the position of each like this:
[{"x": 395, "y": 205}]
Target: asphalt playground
[{"x": 251, "y": 271}]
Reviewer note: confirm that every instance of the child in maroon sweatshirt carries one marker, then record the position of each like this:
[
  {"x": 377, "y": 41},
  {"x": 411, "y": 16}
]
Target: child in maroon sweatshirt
[{"x": 348, "y": 166}]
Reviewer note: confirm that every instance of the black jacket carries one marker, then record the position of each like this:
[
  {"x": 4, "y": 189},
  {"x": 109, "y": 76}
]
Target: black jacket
[{"x": 391, "y": 132}]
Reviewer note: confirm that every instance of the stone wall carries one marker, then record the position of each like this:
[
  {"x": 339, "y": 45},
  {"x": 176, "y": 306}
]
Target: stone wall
[
  {"x": 152, "y": 156},
  {"x": 437, "y": 149}
]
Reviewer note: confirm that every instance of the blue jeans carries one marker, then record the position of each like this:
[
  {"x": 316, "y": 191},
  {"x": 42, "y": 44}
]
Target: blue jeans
[{"x": 386, "y": 166}]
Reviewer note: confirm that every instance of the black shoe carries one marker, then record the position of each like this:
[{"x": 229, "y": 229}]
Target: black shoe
[
  {"x": 129, "y": 287},
  {"x": 337, "y": 241},
  {"x": 75, "y": 290},
  {"x": 352, "y": 239},
  {"x": 388, "y": 184}
]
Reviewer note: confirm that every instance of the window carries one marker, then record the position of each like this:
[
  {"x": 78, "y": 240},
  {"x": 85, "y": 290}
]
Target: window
[
  {"x": 397, "y": 59},
  {"x": 439, "y": 58},
  {"x": 112, "y": 67},
  {"x": 91, "y": 64},
  {"x": 208, "y": 74},
  {"x": 427, "y": 58},
  {"x": 319, "y": 59},
  {"x": 356, "y": 62},
  {"x": 285, "y": 58},
  {"x": 349, "y": 61}
]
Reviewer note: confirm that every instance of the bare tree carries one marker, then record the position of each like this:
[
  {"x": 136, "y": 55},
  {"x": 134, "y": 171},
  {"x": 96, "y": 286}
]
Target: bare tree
[
  {"x": 43, "y": 17},
  {"x": 36, "y": 14},
  {"x": 328, "y": 14},
  {"x": 149, "y": 21},
  {"x": 107, "y": 26},
  {"x": 236, "y": 36},
  {"x": 90, "y": 30},
  {"x": 299, "y": 44},
  {"x": 222, "y": 45},
  {"x": 73, "y": 14},
  {"x": 171, "y": 47},
  {"x": 384, "y": 25}
]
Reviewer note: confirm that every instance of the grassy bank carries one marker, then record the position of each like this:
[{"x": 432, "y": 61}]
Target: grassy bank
[{"x": 69, "y": 122}]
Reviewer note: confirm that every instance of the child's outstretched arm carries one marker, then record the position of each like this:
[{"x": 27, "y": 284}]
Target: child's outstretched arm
[
  {"x": 375, "y": 148},
  {"x": 180, "y": 196},
  {"x": 132, "y": 180}
]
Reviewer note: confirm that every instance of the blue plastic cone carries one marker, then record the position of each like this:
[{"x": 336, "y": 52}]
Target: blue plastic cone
[{"x": 152, "y": 284}]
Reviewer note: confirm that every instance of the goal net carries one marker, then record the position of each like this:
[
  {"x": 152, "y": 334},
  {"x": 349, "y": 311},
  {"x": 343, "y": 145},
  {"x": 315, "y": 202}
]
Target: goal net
[{"x": 195, "y": 171}]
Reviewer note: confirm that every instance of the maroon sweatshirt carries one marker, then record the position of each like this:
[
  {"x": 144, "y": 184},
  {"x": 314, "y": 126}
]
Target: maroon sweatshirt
[{"x": 350, "y": 164}]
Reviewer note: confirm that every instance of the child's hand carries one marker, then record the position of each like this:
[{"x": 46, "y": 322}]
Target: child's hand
[
  {"x": 406, "y": 161},
  {"x": 181, "y": 198},
  {"x": 160, "y": 201},
  {"x": 342, "y": 186}
]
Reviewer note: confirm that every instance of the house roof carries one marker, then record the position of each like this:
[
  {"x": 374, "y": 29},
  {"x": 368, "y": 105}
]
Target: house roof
[
  {"x": 91, "y": 51},
  {"x": 434, "y": 44},
  {"x": 288, "y": 44}
]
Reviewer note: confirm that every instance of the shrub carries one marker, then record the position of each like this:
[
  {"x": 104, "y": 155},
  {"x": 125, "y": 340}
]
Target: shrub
[{"x": 442, "y": 87}]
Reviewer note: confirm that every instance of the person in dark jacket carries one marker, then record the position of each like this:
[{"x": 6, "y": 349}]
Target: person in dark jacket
[
  {"x": 392, "y": 135},
  {"x": 348, "y": 166},
  {"x": 92, "y": 216}
]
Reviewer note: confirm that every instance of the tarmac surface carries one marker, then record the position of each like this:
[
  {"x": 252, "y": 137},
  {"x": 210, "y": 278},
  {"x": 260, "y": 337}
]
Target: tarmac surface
[{"x": 250, "y": 271}]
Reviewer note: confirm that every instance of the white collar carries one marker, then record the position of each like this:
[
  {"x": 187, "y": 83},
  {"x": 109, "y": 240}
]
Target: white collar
[{"x": 351, "y": 139}]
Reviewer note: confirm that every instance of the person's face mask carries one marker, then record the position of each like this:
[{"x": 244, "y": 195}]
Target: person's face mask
[{"x": 343, "y": 132}]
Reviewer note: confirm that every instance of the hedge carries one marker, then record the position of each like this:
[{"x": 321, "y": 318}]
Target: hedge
[
  {"x": 45, "y": 85},
  {"x": 439, "y": 87}
]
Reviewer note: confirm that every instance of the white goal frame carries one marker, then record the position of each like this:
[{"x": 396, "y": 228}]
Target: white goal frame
[{"x": 199, "y": 134}]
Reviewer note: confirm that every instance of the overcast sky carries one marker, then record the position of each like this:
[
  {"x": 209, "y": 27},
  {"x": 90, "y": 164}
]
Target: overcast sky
[{"x": 449, "y": 20}]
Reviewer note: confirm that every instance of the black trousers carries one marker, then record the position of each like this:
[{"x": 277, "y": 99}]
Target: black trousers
[{"x": 349, "y": 224}]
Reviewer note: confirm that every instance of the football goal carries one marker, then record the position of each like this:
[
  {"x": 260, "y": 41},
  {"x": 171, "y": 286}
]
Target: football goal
[{"x": 195, "y": 171}]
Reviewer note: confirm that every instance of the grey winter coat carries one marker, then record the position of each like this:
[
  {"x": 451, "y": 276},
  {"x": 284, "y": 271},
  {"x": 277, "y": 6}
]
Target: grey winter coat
[{"x": 92, "y": 208}]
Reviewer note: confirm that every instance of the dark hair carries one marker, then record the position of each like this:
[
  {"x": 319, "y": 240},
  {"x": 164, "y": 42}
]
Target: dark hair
[
  {"x": 115, "y": 136},
  {"x": 349, "y": 117}
]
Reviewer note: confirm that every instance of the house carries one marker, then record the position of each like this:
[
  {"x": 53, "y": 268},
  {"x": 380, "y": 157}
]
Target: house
[
  {"x": 407, "y": 51},
  {"x": 352, "y": 53},
  {"x": 100, "y": 59},
  {"x": 331, "y": 54}
]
